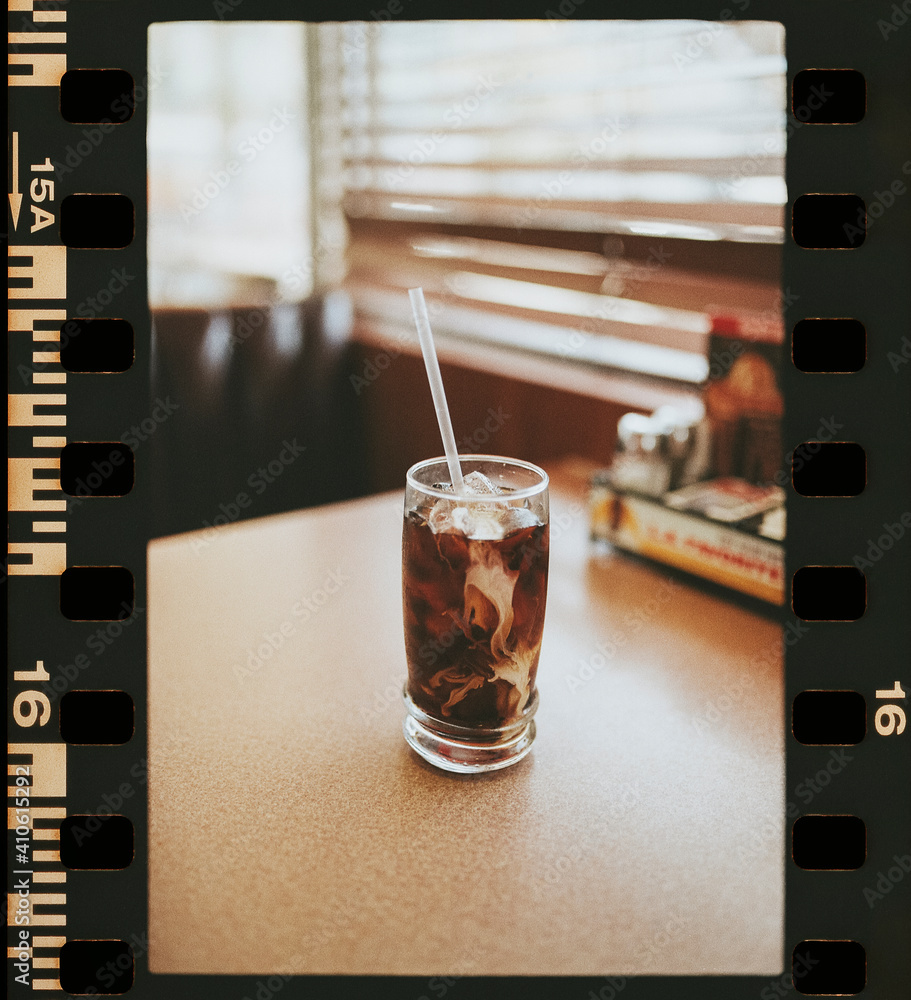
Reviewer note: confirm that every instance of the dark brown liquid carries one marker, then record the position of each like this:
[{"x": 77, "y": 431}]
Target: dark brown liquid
[{"x": 474, "y": 615}]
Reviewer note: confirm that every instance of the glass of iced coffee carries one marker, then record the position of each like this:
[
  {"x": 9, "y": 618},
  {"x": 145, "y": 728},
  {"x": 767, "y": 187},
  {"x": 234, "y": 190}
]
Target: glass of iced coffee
[{"x": 474, "y": 586}]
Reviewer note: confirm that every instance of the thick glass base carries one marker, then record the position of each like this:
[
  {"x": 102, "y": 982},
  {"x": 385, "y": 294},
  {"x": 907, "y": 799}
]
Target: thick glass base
[{"x": 465, "y": 751}]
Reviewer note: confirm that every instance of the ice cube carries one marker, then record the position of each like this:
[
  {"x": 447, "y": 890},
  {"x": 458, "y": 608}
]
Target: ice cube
[
  {"x": 440, "y": 517},
  {"x": 479, "y": 485},
  {"x": 475, "y": 522},
  {"x": 478, "y": 523},
  {"x": 515, "y": 518},
  {"x": 477, "y": 519}
]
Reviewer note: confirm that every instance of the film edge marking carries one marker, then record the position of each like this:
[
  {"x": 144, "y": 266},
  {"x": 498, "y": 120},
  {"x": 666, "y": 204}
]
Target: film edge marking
[{"x": 41, "y": 776}]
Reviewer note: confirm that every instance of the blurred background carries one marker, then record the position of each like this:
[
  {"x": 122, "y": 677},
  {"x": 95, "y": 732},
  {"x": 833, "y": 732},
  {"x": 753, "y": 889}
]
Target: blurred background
[{"x": 590, "y": 206}]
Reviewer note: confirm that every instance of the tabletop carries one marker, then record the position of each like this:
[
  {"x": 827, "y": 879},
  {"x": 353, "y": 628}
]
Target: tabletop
[{"x": 293, "y": 830}]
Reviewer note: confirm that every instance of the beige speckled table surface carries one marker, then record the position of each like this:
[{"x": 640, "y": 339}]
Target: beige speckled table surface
[{"x": 292, "y": 829}]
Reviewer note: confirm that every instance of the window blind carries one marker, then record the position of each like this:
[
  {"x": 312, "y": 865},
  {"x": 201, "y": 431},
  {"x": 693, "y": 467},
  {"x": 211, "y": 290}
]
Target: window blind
[
  {"x": 503, "y": 165},
  {"x": 653, "y": 127}
]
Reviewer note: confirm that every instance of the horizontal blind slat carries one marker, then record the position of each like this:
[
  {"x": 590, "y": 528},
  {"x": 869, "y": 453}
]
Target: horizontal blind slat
[
  {"x": 668, "y": 114},
  {"x": 720, "y": 167},
  {"x": 585, "y": 127},
  {"x": 740, "y": 223},
  {"x": 393, "y": 83}
]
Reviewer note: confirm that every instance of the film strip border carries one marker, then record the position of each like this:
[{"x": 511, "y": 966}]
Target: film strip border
[
  {"x": 77, "y": 285},
  {"x": 846, "y": 687},
  {"x": 37, "y": 894},
  {"x": 80, "y": 417}
]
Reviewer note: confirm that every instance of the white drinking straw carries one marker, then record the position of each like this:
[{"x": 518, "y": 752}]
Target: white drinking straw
[{"x": 422, "y": 322}]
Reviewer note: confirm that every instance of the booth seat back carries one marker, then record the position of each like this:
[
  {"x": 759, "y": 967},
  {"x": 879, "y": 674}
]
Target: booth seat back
[{"x": 266, "y": 419}]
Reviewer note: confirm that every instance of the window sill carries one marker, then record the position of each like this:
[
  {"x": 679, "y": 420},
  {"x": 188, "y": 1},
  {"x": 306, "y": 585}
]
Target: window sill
[{"x": 512, "y": 348}]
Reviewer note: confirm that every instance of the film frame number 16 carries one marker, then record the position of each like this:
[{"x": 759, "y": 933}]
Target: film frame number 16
[{"x": 890, "y": 718}]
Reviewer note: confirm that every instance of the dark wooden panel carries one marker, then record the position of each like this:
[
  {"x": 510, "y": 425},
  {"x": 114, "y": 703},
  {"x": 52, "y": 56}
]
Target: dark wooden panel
[{"x": 490, "y": 413}]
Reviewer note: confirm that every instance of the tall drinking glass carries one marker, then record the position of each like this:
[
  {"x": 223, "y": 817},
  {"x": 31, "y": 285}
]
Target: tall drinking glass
[{"x": 474, "y": 585}]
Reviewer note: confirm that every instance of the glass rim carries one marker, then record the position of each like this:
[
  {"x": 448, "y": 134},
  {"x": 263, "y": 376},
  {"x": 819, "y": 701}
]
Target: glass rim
[{"x": 528, "y": 491}]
